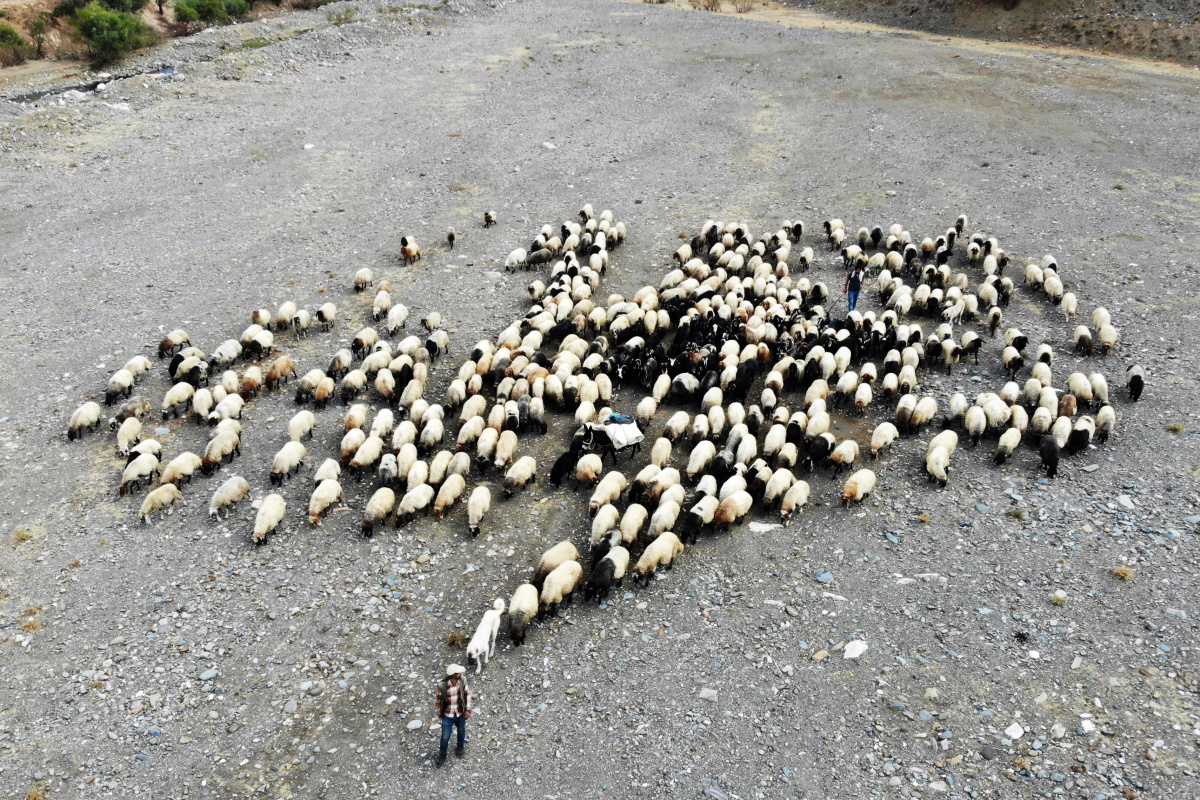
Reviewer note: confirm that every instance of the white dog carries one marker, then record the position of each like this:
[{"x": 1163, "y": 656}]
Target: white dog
[{"x": 483, "y": 644}]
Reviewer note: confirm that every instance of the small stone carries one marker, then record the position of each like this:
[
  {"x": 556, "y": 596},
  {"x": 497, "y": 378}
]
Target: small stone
[
  {"x": 854, "y": 649},
  {"x": 1059, "y": 598},
  {"x": 708, "y": 694},
  {"x": 981, "y": 508},
  {"x": 208, "y": 674},
  {"x": 820, "y": 655},
  {"x": 1091, "y": 468},
  {"x": 1175, "y": 612},
  {"x": 1014, "y": 731},
  {"x": 290, "y": 707},
  {"x": 987, "y": 752},
  {"x": 931, "y": 694},
  {"x": 1058, "y": 731},
  {"x": 1077, "y": 662},
  {"x": 1124, "y": 501},
  {"x": 414, "y": 724},
  {"x": 824, "y": 576}
]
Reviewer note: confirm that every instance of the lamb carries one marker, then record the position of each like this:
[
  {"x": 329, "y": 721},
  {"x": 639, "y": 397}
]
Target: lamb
[
  {"x": 882, "y": 438},
  {"x": 605, "y": 520},
  {"x": 489, "y": 219},
  {"x": 663, "y": 519},
  {"x": 287, "y": 460},
  {"x": 175, "y": 340},
  {"x": 733, "y": 508},
  {"x": 477, "y": 506},
  {"x": 976, "y": 423},
  {"x": 1135, "y": 381},
  {"x": 843, "y": 456},
  {"x": 270, "y": 514},
  {"x": 700, "y": 458},
  {"x": 780, "y": 482},
  {"x": 483, "y": 644},
  {"x": 327, "y": 493},
  {"x": 1099, "y": 389},
  {"x": 366, "y": 454},
  {"x": 86, "y": 417},
  {"x": 632, "y": 522},
  {"x": 164, "y": 496},
  {"x": 136, "y": 471},
  {"x": 228, "y": 494},
  {"x": 134, "y": 407},
  {"x": 1049, "y": 450},
  {"x": 181, "y": 468},
  {"x": 521, "y": 473},
  {"x": 278, "y": 371},
  {"x": 793, "y": 500},
  {"x": 1108, "y": 339},
  {"x": 1106, "y": 421},
  {"x": 937, "y": 464},
  {"x": 451, "y": 489},
  {"x": 363, "y": 278},
  {"x": 660, "y": 454},
  {"x": 659, "y": 553},
  {"x": 224, "y": 444},
  {"x": 607, "y": 573},
  {"x": 588, "y": 469},
  {"x": 301, "y": 424},
  {"x": 515, "y": 259},
  {"x": 178, "y": 395},
  {"x": 285, "y": 315},
  {"x": 506, "y": 448},
  {"x": 561, "y": 553},
  {"x": 1081, "y": 435},
  {"x": 229, "y": 408},
  {"x": 1008, "y": 443},
  {"x": 128, "y": 435},
  {"x": 609, "y": 490},
  {"x": 327, "y": 316},
  {"x": 858, "y": 488},
  {"x": 414, "y": 501},
  {"x": 558, "y": 586}
]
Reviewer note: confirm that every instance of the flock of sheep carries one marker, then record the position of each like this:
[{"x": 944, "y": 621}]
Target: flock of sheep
[{"x": 730, "y": 317}]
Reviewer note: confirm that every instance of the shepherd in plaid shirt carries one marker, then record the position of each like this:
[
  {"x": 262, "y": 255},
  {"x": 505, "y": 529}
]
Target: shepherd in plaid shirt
[{"x": 453, "y": 703}]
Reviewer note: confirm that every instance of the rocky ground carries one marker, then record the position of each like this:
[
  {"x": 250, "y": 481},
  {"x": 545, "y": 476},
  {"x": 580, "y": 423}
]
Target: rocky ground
[{"x": 176, "y": 660}]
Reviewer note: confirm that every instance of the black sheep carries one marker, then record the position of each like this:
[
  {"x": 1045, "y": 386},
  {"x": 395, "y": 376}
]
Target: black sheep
[{"x": 1049, "y": 451}]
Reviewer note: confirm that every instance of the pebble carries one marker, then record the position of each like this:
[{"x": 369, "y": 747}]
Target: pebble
[
  {"x": 1124, "y": 501},
  {"x": 416, "y": 723},
  {"x": 208, "y": 674},
  {"x": 1091, "y": 468},
  {"x": 1014, "y": 731},
  {"x": 824, "y": 576},
  {"x": 708, "y": 694},
  {"x": 290, "y": 707}
]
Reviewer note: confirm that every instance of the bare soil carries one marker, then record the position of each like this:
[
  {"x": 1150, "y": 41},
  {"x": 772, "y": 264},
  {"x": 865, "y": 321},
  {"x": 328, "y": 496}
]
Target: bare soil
[{"x": 177, "y": 660}]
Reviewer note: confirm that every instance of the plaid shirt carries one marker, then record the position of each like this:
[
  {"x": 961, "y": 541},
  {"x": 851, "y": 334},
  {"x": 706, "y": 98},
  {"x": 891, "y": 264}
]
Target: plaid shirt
[{"x": 448, "y": 701}]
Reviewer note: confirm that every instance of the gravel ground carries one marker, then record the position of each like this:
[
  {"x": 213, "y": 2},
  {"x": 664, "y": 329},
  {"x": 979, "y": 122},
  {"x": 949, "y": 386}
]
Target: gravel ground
[{"x": 175, "y": 660}]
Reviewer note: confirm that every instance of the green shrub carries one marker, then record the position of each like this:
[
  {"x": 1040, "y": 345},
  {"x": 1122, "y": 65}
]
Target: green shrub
[
  {"x": 309, "y": 5},
  {"x": 210, "y": 10},
  {"x": 109, "y": 34},
  {"x": 14, "y": 49},
  {"x": 128, "y": 6},
  {"x": 342, "y": 16},
  {"x": 67, "y": 8}
]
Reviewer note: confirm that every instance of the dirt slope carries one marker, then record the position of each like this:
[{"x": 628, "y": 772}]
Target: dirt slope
[{"x": 1167, "y": 30}]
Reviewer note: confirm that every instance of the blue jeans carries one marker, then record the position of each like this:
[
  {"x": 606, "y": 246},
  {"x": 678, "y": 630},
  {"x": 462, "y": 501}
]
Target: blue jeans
[
  {"x": 852, "y": 299},
  {"x": 448, "y": 724}
]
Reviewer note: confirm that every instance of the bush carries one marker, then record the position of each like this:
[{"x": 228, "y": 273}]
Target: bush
[
  {"x": 309, "y": 5},
  {"x": 108, "y": 34},
  {"x": 128, "y": 6},
  {"x": 14, "y": 49},
  {"x": 67, "y": 8},
  {"x": 342, "y": 16},
  {"x": 210, "y": 10}
]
